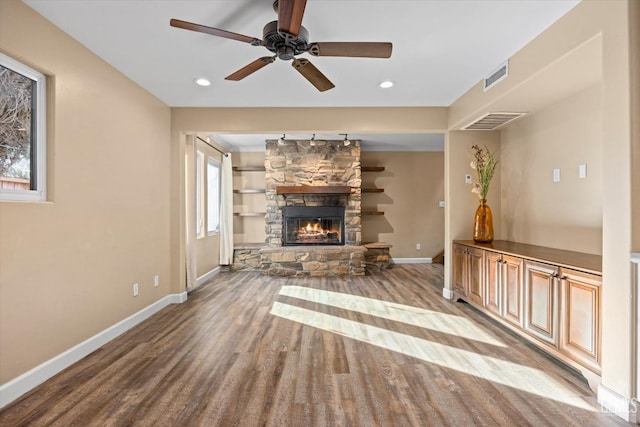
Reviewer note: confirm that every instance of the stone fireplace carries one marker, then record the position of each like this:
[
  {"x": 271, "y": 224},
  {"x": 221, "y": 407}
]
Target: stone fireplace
[
  {"x": 313, "y": 219},
  {"x": 329, "y": 173},
  {"x": 313, "y": 191}
]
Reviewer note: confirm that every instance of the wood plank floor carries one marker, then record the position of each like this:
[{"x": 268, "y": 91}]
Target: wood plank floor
[{"x": 380, "y": 350}]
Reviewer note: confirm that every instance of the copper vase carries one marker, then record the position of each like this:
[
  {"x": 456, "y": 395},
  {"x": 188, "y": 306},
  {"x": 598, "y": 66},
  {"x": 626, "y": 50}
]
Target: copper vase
[{"x": 483, "y": 225}]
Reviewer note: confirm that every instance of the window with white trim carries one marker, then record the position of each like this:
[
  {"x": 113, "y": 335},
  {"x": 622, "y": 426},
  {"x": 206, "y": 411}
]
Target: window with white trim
[
  {"x": 22, "y": 132},
  {"x": 213, "y": 196}
]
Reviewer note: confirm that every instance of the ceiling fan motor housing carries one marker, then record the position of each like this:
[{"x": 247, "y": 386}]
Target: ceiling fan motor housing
[{"x": 285, "y": 46}]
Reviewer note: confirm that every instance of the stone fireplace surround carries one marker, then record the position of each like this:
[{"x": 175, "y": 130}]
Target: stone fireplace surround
[{"x": 315, "y": 164}]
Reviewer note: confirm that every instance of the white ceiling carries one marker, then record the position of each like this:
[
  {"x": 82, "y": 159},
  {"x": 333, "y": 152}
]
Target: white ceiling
[{"x": 441, "y": 48}]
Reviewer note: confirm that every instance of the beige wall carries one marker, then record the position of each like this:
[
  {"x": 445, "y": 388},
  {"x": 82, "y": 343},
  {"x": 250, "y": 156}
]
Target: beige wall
[
  {"x": 249, "y": 229},
  {"x": 68, "y": 265},
  {"x": 461, "y": 203},
  {"x": 590, "y": 44},
  {"x": 535, "y": 210},
  {"x": 413, "y": 184}
]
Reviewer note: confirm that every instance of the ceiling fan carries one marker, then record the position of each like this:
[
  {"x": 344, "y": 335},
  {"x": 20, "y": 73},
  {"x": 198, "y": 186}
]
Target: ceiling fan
[{"x": 287, "y": 38}]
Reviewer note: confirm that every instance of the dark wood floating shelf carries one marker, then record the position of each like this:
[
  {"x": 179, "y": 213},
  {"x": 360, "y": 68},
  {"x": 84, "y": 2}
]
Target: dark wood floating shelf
[
  {"x": 372, "y": 213},
  {"x": 250, "y": 191},
  {"x": 249, "y": 213},
  {"x": 313, "y": 189},
  {"x": 373, "y": 190},
  {"x": 372, "y": 168},
  {"x": 248, "y": 168}
]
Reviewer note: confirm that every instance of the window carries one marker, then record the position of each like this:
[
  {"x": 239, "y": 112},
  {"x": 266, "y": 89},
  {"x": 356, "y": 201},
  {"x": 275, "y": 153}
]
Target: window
[
  {"x": 22, "y": 132},
  {"x": 213, "y": 196},
  {"x": 199, "y": 194}
]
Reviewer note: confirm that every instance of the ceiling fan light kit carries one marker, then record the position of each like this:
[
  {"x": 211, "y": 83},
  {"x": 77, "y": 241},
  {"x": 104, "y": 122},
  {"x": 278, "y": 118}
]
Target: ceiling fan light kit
[{"x": 286, "y": 38}]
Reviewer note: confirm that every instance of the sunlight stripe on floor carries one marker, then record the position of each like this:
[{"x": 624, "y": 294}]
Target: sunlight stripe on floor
[
  {"x": 503, "y": 372},
  {"x": 433, "y": 320}
]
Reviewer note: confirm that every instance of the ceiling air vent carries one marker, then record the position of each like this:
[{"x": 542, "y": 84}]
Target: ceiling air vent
[
  {"x": 492, "y": 121},
  {"x": 496, "y": 76}
]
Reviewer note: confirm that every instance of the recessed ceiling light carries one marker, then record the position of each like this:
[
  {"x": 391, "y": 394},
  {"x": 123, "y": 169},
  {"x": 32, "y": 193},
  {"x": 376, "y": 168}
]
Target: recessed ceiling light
[
  {"x": 386, "y": 84},
  {"x": 202, "y": 81}
]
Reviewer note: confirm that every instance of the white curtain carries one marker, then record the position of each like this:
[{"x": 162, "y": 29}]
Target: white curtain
[
  {"x": 226, "y": 211},
  {"x": 190, "y": 214}
]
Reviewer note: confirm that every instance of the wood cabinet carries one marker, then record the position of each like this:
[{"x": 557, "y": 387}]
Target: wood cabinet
[
  {"x": 459, "y": 258},
  {"x": 503, "y": 286},
  {"x": 541, "y": 296},
  {"x": 548, "y": 296},
  {"x": 511, "y": 277},
  {"x": 580, "y": 316},
  {"x": 468, "y": 277}
]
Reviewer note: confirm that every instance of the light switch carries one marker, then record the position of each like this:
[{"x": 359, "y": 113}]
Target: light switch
[
  {"x": 467, "y": 179},
  {"x": 582, "y": 170},
  {"x": 556, "y": 175},
  {"x": 441, "y": 203}
]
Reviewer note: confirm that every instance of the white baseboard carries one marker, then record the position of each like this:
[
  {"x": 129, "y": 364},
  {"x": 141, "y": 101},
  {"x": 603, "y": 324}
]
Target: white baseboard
[
  {"x": 447, "y": 293},
  {"x": 207, "y": 276},
  {"x": 411, "y": 260},
  {"x": 612, "y": 402},
  {"x": 18, "y": 386}
]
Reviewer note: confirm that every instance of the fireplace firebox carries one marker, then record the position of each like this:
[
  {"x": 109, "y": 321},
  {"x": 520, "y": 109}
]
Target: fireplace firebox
[{"x": 313, "y": 225}]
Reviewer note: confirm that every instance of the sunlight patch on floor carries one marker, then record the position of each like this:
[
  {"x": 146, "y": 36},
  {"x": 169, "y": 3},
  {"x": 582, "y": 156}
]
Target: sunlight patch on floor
[
  {"x": 511, "y": 374},
  {"x": 428, "y": 319}
]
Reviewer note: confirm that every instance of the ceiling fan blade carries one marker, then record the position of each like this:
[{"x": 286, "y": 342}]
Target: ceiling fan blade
[
  {"x": 311, "y": 73},
  {"x": 251, "y": 68},
  {"x": 352, "y": 49},
  {"x": 215, "y": 32},
  {"x": 290, "y": 16}
]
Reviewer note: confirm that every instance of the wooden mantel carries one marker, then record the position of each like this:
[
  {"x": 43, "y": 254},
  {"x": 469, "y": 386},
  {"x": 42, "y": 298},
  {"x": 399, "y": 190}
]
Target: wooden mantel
[{"x": 313, "y": 189}]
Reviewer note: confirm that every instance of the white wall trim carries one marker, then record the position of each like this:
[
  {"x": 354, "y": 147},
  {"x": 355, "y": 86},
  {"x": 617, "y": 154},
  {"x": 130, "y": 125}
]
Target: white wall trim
[
  {"x": 635, "y": 294},
  {"x": 18, "y": 386},
  {"x": 612, "y": 402},
  {"x": 207, "y": 276},
  {"x": 411, "y": 260},
  {"x": 447, "y": 293}
]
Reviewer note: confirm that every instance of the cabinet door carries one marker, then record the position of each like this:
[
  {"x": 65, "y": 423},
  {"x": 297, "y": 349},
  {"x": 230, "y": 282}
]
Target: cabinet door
[
  {"x": 459, "y": 269},
  {"x": 580, "y": 336},
  {"x": 511, "y": 277},
  {"x": 475, "y": 289},
  {"x": 492, "y": 282},
  {"x": 541, "y": 311}
]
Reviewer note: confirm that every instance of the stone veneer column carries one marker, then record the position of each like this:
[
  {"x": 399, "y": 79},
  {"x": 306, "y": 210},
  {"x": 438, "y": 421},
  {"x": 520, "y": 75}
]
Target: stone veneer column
[{"x": 325, "y": 163}]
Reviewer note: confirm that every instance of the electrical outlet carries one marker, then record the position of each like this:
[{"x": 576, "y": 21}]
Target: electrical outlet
[
  {"x": 418, "y": 246},
  {"x": 556, "y": 175},
  {"x": 156, "y": 280},
  {"x": 135, "y": 289}
]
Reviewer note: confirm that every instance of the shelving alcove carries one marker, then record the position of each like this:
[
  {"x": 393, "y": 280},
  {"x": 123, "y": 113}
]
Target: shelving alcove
[
  {"x": 370, "y": 190},
  {"x": 244, "y": 169}
]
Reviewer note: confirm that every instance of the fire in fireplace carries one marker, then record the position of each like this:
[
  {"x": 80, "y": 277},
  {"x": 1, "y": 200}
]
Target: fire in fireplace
[{"x": 313, "y": 225}]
